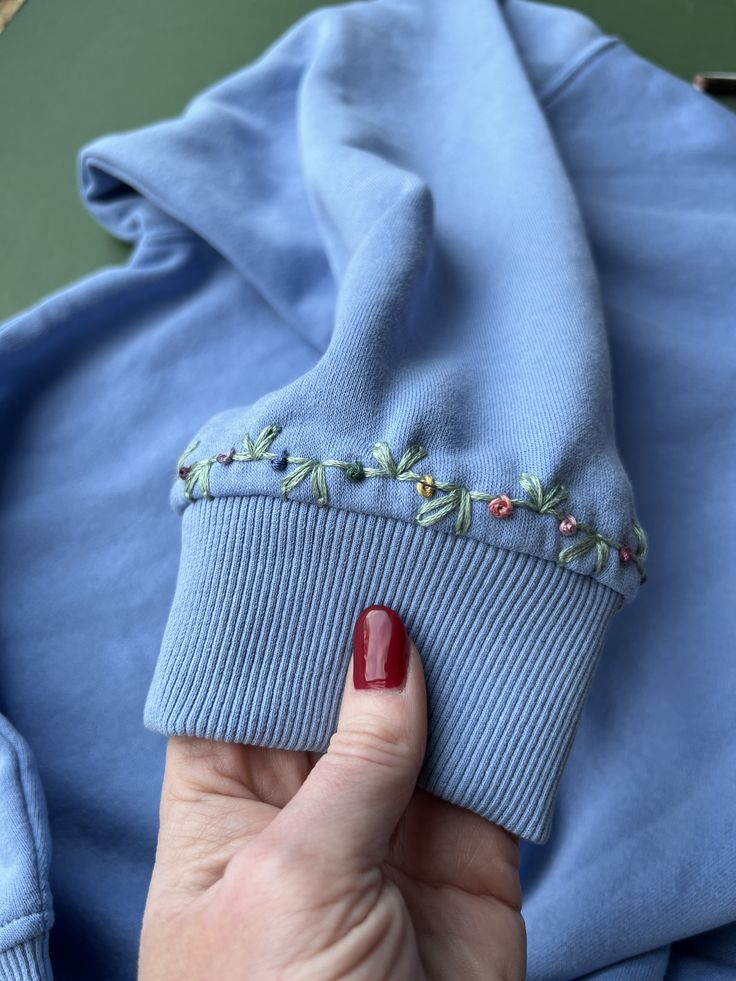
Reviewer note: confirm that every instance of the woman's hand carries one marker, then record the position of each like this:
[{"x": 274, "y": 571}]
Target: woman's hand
[{"x": 274, "y": 864}]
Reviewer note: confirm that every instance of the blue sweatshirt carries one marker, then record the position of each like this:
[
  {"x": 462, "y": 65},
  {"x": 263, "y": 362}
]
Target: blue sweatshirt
[{"x": 414, "y": 301}]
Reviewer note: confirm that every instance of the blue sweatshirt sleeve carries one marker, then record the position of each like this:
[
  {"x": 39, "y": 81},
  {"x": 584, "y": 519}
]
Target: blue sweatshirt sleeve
[
  {"x": 26, "y": 913},
  {"x": 426, "y": 417}
]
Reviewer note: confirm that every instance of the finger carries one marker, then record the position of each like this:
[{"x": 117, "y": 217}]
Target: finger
[
  {"x": 197, "y": 767},
  {"x": 359, "y": 789}
]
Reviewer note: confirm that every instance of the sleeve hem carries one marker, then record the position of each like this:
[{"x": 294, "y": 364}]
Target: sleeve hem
[
  {"x": 26, "y": 961},
  {"x": 257, "y": 644}
]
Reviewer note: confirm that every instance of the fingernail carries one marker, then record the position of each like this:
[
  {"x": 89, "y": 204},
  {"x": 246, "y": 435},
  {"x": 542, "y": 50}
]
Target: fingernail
[{"x": 380, "y": 649}]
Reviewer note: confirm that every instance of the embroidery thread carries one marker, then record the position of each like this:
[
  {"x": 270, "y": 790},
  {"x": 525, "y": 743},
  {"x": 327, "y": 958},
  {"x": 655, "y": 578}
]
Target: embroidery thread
[{"x": 452, "y": 499}]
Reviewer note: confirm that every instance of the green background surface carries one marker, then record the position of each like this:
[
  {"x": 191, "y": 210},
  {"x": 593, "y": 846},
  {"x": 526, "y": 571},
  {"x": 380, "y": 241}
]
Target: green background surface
[{"x": 73, "y": 71}]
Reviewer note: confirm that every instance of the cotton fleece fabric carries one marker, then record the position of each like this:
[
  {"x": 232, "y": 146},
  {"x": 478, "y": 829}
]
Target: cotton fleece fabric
[{"x": 485, "y": 230}]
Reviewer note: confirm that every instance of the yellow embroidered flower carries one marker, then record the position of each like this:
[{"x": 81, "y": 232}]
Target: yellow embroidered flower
[{"x": 425, "y": 487}]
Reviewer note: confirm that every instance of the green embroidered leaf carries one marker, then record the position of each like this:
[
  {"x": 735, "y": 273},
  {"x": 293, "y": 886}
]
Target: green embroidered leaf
[
  {"x": 413, "y": 455},
  {"x": 319, "y": 485},
  {"x": 464, "y": 512},
  {"x": 190, "y": 449},
  {"x": 249, "y": 447},
  {"x": 601, "y": 551},
  {"x": 447, "y": 497},
  {"x": 204, "y": 480},
  {"x": 264, "y": 440},
  {"x": 199, "y": 473},
  {"x": 575, "y": 551},
  {"x": 534, "y": 490},
  {"x": 190, "y": 484},
  {"x": 297, "y": 475},
  {"x": 641, "y": 539},
  {"x": 438, "y": 508},
  {"x": 553, "y": 498},
  {"x": 383, "y": 455}
]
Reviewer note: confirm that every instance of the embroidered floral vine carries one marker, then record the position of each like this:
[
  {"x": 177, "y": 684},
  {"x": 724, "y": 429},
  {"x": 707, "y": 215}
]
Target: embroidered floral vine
[{"x": 441, "y": 499}]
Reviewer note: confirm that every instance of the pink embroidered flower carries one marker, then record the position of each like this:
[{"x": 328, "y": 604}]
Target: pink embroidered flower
[
  {"x": 184, "y": 472},
  {"x": 568, "y": 526},
  {"x": 500, "y": 507},
  {"x": 225, "y": 458},
  {"x": 625, "y": 554}
]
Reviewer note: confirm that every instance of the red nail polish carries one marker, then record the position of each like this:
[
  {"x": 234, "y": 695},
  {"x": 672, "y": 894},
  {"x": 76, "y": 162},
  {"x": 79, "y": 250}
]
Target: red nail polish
[{"x": 380, "y": 649}]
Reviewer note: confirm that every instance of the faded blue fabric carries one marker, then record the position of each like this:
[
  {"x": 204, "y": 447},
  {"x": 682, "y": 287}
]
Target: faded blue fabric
[
  {"x": 413, "y": 222},
  {"x": 26, "y": 911},
  {"x": 644, "y": 837}
]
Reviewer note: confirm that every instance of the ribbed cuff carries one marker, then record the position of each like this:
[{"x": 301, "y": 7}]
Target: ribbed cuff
[
  {"x": 258, "y": 641},
  {"x": 28, "y": 961}
]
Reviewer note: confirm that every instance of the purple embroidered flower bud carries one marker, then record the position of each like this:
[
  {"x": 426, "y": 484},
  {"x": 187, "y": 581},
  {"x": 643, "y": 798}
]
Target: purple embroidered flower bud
[
  {"x": 500, "y": 507},
  {"x": 184, "y": 472},
  {"x": 568, "y": 526},
  {"x": 355, "y": 472},
  {"x": 225, "y": 458},
  {"x": 625, "y": 554},
  {"x": 281, "y": 462}
]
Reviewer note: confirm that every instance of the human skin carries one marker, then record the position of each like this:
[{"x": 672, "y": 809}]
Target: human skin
[{"x": 273, "y": 864}]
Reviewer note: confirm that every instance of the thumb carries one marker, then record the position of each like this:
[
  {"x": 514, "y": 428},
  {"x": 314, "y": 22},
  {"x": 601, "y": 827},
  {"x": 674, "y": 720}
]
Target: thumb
[{"x": 358, "y": 790}]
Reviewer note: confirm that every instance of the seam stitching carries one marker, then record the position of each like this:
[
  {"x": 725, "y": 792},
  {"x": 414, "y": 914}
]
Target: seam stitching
[
  {"x": 40, "y": 877},
  {"x": 26, "y": 916}
]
